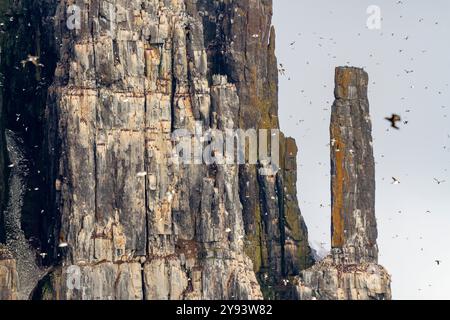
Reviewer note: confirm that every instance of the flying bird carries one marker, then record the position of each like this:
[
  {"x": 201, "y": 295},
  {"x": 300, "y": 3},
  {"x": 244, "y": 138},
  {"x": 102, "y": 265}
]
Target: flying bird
[
  {"x": 438, "y": 262},
  {"x": 439, "y": 181},
  {"x": 393, "y": 120},
  {"x": 395, "y": 181},
  {"x": 282, "y": 70}
]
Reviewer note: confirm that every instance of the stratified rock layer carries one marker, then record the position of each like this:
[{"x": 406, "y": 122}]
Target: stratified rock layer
[
  {"x": 134, "y": 224},
  {"x": 351, "y": 272}
]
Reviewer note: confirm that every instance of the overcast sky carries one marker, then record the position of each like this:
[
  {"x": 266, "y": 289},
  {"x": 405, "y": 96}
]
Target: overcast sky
[{"x": 414, "y": 216}]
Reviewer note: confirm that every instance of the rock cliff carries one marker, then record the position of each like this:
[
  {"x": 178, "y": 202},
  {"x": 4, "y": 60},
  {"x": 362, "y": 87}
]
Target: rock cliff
[
  {"x": 133, "y": 224},
  {"x": 111, "y": 213}
]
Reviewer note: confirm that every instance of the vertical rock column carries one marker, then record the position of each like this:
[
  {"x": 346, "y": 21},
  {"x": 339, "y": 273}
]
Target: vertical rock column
[
  {"x": 354, "y": 226},
  {"x": 351, "y": 272}
]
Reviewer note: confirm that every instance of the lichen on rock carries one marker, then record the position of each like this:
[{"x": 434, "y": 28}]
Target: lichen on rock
[{"x": 351, "y": 271}]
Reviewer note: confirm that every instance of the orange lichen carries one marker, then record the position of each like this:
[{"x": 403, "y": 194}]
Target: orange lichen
[
  {"x": 343, "y": 80},
  {"x": 338, "y": 186}
]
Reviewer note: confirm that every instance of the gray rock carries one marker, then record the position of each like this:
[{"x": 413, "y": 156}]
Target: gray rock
[
  {"x": 354, "y": 226},
  {"x": 8, "y": 275},
  {"x": 351, "y": 271}
]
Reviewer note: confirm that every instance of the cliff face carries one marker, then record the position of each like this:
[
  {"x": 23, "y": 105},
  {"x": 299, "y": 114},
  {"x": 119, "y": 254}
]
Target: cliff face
[
  {"x": 352, "y": 270},
  {"x": 119, "y": 217},
  {"x": 134, "y": 225}
]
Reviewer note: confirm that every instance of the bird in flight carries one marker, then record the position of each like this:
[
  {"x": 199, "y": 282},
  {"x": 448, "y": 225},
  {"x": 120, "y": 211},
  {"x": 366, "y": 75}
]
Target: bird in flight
[
  {"x": 439, "y": 181},
  {"x": 282, "y": 70},
  {"x": 438, "y": 262},
  {"x": 395, "y": 181},
  {"x": 393, "y": 120}
]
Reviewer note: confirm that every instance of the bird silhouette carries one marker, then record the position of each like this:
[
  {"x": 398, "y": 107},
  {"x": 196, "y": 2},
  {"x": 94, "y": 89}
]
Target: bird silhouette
[
  {"x": 393, "y": 120},
  {"x": 439, "y": 181}
]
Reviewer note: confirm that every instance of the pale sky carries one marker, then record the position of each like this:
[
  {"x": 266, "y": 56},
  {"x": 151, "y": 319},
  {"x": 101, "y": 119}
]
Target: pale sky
[{"x": 414, "y": 37}]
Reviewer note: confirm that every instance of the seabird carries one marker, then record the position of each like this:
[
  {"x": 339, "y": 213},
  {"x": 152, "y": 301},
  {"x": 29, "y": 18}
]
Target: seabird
[
  {"x": 438, "y": 181},
  {"x": 33, "y": 59},
  {"x": 393, "y": 120}
]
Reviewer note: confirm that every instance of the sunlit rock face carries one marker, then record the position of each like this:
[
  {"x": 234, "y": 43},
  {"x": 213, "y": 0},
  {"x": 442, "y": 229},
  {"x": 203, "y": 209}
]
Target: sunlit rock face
[{"x": 352, "y": 270}]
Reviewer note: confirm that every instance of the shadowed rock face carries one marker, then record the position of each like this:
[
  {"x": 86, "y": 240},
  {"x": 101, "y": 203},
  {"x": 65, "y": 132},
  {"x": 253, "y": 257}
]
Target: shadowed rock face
[
  {"x": 351, "y": 271},
  {"x": 28, "y": 268},
  {"x": 3, "y": 175},
  {"x": 2, "y": 172},
  {"x": 26, "y": 28}
]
